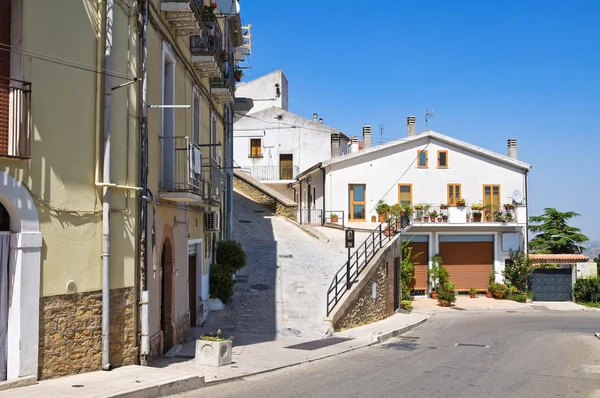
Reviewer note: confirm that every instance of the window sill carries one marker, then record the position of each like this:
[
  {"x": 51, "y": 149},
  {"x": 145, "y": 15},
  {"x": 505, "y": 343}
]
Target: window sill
[{"x": 255, "y": 157}]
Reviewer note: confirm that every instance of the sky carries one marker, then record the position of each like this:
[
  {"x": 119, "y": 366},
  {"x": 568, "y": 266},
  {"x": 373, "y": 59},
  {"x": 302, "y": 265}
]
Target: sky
[{"x": 490, "y": 70}]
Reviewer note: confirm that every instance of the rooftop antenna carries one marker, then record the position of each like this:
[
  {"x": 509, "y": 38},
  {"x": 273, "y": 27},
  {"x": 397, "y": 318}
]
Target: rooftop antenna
[
  {"x": 381, "y": 128},
  {"x": 428, "y": 115}
]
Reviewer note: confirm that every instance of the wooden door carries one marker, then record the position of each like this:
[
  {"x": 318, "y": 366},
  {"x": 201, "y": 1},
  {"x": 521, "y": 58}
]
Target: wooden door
[
  {"x": 192, "y": 288},
  {"x": 286, "y": 167},
  {"x": 357, "y": 200},
  {"x": 491, "y": 198}
]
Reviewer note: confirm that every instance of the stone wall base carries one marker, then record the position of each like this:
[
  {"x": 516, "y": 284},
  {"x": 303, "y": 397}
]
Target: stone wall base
[
  {"x": 181, "y": 328},
  {"x": 289, "y": 210},
  {"x": 71, "y": 332}
]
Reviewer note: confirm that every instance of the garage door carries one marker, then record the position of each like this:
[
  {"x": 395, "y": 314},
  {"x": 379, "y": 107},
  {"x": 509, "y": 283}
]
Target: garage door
[
  {"x": 469, "y": 259},
  {"x": 552, "y": 284},
  {"x": 419, "y": 245}
]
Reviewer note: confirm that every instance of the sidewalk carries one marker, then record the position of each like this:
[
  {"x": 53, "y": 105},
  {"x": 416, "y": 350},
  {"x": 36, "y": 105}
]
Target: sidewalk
[{"x": 252, "y": 354}]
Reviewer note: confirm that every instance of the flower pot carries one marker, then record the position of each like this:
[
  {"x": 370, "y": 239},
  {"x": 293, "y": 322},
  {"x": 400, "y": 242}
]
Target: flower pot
[
  {"x": 440, "y": 219},
  {"x": 468, "y": 219},
  {"x": 388, "y": 231},
  {"x": 373, "y": 218},
  {"x": 213, "y": 353},
  {"x": 334, "y": 219},
  {"x": 417, "y": 219},
  {"x": 477, "y": 218},
  {"x": 434, "y": 295},
  {"x": 381, "y": 217},
  {"x": 472, "y": 295},
  {"x": 488, "y": 294},
  {"x": 426, "y": 219},
  {"x": 499, "y": 295},
  {"x": 432, "y": 219}
]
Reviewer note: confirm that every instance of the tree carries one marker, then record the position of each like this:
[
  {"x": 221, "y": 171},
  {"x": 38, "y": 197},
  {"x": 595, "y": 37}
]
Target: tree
[
  {"x": 554, "y": 234},
  {"x": 518, "y": 270}
]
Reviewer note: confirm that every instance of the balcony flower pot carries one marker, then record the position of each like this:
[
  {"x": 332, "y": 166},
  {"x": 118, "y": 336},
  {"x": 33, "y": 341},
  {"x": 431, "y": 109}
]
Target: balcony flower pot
[
  {"x": 461, "y": 203},
  {"x": 417, "y": 219},
  {"x": 488, "y": 294},
  {"x": 440, "y": 219},
  {"x": 477, "y": 217},
  {"x": 388, "y": 231},
  {"x": 213, "y": 350},
  {"x": 373, "y": 218},
  {"x": 334, "y": 218},
  {"x": 500, "y": 295},
  {"x": 426, "y": 219},
  {"x": 381, "y": 217},
  {"x": 444, "y": 218}
]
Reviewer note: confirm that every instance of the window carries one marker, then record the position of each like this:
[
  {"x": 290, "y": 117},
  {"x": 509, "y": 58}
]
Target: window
[
  {"x": 405, "y": 194},
  {"x": 454, "y": 194},
  {"x": 421, "y": 158},
  {"x": 491, "y": 197},
  {"x": 255, "y": 148},
  {"x": 357, "y": 202},
  {"x": 168, "y": 119},
  {"x": 196, "y": 117},
  {"x": 442, "y": 160},
  {"x": 213, "y": 135}
]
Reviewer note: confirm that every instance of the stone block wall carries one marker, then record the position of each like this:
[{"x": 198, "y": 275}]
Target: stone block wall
[
  {"x": 157, "y": 343},
  {"x": 71, "y": 332},
  {"x": 282, "y": 208},
  {"x": 361, "y": 308},
  {"x": 181, "y": 329}
]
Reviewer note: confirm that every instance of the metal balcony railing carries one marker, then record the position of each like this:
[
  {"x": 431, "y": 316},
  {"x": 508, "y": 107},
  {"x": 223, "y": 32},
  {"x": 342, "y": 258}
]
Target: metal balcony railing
[
  {"x": 271, "y": 173},
  {"x": 210, "y": 42},
  {"x": 474, "y": 212},
  {"x": 15, "y": 116},
  {"x": 181, "y": 166},
  {"x": 212, "y": 177}
]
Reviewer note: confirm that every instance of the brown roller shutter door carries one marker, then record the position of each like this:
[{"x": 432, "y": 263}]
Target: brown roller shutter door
[
  {"x": 468, "y": 263},
  {"x": 4, "y": 72},
  {"x": 420, "y": 257}
]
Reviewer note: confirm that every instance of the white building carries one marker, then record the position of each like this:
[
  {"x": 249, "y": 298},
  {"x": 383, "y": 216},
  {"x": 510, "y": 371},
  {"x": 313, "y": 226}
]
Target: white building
[
  {"x": 438, "y": 171},
  {"x": 274, "y": 145}
]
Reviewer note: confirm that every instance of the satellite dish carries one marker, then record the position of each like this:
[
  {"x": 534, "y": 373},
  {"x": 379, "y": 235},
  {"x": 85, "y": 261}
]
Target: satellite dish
[{"x": 517, "y": 196}]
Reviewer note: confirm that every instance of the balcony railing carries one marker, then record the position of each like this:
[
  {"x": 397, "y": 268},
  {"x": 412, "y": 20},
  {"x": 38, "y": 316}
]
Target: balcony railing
[
  {"x": 181, "y": 166},
  {"x": 469, "y": 214},
  {"x": 210, "y": 42},
  {"x": 15, "y": 115},
  {"x": 271, "y": 173},
  {"x": 184, "y": 16},
  {"x": 212, "y": 177}
]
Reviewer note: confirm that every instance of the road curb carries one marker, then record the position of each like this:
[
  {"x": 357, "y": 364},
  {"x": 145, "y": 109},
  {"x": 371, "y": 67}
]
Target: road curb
[
  {"x": 380, "y": 338},
  {"x": 597, "y": 335},
  {"x": 172, "y": 387}
]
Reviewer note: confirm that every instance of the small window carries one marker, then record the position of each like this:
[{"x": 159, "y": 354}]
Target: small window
[
  {"x": 442, "y": 159},
  {"x": 422, "y": 158},
  {"x": 255, "y": 148},
  {"x": 454, "y": 194},
  {"x": 405, "y": 194}
]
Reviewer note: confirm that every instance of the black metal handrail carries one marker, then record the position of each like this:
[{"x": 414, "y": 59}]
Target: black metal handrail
[{"x": 356, "y": 264}]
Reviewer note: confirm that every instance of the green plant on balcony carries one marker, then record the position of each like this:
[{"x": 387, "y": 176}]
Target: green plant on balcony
[
  {"x": 509, "y": 206},
  {"x": 443, "y": 206},
  {"x": 461, "y": 203},
  {"x": 477, "y": 206},
  {"x": 209, "y": 12},
  {"x": 499, "y": 216},
  {"x": 237, "y": 74},
  {"x": 223, "y": 55}
]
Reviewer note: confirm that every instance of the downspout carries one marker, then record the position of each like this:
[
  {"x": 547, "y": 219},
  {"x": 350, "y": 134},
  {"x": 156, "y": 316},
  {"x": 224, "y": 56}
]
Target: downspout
[
  {"x": 527, "y": 211},
  {"x": 323, "y": 213},
  {"x": 98, "y": 123},
  {"x": 143, "y": 264},
  {"x": 106, "y": 190}
]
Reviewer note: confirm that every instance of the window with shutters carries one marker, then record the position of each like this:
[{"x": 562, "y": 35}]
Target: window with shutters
[
  {"x": 442, "y": 159},
  {"x": 422, "y": 160},
  {"x": 491, "y": 198},
  {"x": 405, "y": 194},
  {"x": 255, "y": 148},
  {"x": 454, "y": 194}
]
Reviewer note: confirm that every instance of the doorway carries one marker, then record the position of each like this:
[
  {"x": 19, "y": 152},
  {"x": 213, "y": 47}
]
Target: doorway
[
  {"x": 286, "y": 167},
  {"x": 4, "y": 248},
  {"x": 166, "y": 299},
  {"x": 192, "y": 288}
]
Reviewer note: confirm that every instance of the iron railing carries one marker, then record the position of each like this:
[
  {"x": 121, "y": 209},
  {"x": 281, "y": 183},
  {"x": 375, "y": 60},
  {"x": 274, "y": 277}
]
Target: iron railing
[
  {"x": 271, "y": 173},
  {"x": 210, "y": 42},
  {"x": 310, "y": 216},
  {"x": 181, "y": 165},
  {"x": 212, "y": 177},
  {"x": 15, "y": 116},
  {"x": 358, "y": 261},
  {"x": 463, "y": 214}
]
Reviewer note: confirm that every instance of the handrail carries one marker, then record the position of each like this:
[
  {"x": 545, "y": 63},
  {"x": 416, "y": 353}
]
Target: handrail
[{"x": 356, "y": 264}]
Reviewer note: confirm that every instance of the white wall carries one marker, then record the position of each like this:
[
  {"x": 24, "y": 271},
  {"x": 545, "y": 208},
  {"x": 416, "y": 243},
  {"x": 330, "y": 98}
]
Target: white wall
[
  {"x": 381, "y": 172},
  {"x": 262, "y": 91}
]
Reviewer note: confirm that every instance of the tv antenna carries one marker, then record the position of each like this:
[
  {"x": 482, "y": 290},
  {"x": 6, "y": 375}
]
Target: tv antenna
[
  {"x": 429, "y": 114},
  {"x": 381, "y": 128}
]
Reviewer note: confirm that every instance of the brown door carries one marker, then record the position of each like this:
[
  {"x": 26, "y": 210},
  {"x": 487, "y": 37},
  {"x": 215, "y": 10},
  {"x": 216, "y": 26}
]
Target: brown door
[
  {"x": 420, "y": 257},
  {"x": 192, "y": 287},
  {"x": 286, "y": 171},
  {"x": 5, "y": 15},
  {"x": 468, "y": 263}
]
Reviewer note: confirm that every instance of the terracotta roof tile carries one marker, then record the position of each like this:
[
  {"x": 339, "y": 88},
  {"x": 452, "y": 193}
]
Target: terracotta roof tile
[{"x": 579, "y": 258}]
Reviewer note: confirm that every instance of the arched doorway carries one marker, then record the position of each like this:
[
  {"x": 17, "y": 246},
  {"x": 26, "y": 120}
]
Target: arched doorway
[
  {"x": 167, "y": 294},
  {"x": 4, "y": 297}
]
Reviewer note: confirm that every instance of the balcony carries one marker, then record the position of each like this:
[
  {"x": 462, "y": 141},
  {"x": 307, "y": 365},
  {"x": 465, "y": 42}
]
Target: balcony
[
  {"x": 208, "y": 54},
  {"x": 222, "y": 89},
  {"x": 271, "y": 173},
  {"x": 474, "y": 215},
  {"x": 181, "y": 178},
  {"x": 15, "y": 114},
  {"x": 212, "y": 177},
  {"x": 184, "y": 16}
]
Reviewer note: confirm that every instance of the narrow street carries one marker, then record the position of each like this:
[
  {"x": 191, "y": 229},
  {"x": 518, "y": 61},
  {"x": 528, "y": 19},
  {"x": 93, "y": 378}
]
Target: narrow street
[{"x": 538, "y": 353}]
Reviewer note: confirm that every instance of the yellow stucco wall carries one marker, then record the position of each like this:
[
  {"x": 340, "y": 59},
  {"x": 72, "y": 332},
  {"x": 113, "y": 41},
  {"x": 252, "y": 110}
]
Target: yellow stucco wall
[{"x": 60, "y": 174}]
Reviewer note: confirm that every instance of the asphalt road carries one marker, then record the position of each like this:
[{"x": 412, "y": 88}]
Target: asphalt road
[{"x": 529, "y": 354}]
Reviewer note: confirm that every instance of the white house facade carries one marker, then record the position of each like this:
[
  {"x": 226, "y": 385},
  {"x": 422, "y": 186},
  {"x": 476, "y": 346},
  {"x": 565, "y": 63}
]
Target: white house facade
[
  {"x": 274, "y": 145},
  {"x": 433, "y": 173}
]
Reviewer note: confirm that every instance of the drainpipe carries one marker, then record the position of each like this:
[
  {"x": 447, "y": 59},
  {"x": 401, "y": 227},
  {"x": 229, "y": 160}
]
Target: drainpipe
[
  {"x": 527, "y": 211},
  {"x": 144, "y": 296},
  {"x": 106, "y": 190},
  {"x": 323, "y": 214}
]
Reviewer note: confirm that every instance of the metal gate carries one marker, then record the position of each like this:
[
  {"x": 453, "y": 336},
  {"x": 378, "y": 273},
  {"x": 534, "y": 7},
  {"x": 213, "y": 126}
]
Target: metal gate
[
  {"x": 310, "y": 216},
  {"x": 554, "y": 284}
]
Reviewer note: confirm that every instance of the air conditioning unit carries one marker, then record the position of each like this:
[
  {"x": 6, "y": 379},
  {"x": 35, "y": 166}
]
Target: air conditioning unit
[{"x": 212, "y": 220}]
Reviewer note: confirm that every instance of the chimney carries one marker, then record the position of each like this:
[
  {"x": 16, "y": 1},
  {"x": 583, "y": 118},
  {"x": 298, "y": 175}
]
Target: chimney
[
  {"x": 335, "y": 145},
  {"x": 512, "y": 148},
  {"x": 353, "y": 144},
  {"x": 315, "y": 116},
  {"x": 411, "y": 126},
  {"x": 321, "y": 120},
  {"x": 366, "y": 137}
]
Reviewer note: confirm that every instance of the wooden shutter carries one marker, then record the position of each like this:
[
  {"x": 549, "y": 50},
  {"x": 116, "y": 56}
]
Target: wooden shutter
[
  {"x": 420, "y": 257},
  {"x": 468, "y": 263}
]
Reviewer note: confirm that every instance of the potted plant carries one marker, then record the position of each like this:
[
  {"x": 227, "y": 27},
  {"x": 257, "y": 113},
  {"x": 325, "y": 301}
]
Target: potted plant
[
  {"x": 469, "y": 217},
  {"x": 445, "y": 217},
  {"x": 373, "y": 218},
  {"x": 472, "y": 292},
  {"x": 419, "y": 209},
  {"x": 446, "y": 294},
  {"x": 443, "y": 206},
  {"x": 434, "y": 294},
  {"x": 438, "y": 275},
  {"x": 433, "y": 215},
  {"x": 213, "y": 350},
  {"x": 498, "y": 289},
  {"x": 237, "y": 74},
  {"x": 334, "y": 217},
  {"x": 509, "y": 217},
  {"x": 488, "y": 217},
  {"x": 382, "y": 210},
  {"x": 426, "y": 212},
  {"x": 499, "y": 216},
  {"x": 509, "y": 206},
  {"x": 461, "y": 203},
  {"x": 491, "y": 280}
]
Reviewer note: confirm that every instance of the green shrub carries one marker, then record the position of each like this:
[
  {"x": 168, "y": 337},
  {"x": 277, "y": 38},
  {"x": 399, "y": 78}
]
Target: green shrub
[
  {"x": 406, "y": 305},
  {"x": 519, "y": 298},
  {"x": 587, "y": 290},
  {"x": 230, "y": 252},
  {"x": 518, "y": 270},
  {"x": 446, "y": 293},
  {"x": 221, "y": 282},
  {"x": 407, "y": 268}
]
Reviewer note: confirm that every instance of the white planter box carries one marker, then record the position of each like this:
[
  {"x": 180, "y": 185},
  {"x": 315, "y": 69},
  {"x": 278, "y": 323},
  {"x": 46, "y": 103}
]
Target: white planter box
[{"x": 213, "y": 353}]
